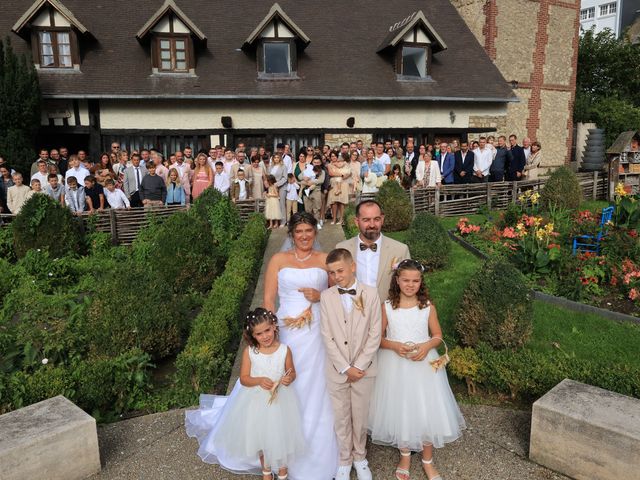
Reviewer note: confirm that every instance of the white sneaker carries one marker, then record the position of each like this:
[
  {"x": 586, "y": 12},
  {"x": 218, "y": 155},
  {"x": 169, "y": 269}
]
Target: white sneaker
[
  {"x": 362, "y": 469},
  {"x": 344, "y": 472}
]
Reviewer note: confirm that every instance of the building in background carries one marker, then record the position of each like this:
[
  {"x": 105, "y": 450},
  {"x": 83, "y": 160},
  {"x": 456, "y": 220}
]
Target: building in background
[
  {"x": 169, "y": 74},
  {"x": 617, "y": 15}
]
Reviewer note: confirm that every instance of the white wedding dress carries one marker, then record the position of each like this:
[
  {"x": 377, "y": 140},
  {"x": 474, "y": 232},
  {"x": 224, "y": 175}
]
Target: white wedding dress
[{"x": 321, "y": 459}]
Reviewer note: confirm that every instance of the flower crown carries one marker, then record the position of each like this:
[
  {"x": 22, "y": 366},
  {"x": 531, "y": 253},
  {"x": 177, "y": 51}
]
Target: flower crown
[{"x": 408, "y": 262}]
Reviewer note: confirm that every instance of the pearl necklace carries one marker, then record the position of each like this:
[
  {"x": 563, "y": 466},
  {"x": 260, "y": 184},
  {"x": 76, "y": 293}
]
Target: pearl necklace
[{"x": 295, "y": 254}]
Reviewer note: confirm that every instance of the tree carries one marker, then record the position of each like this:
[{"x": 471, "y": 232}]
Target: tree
[{"x": 19, "y": 108}]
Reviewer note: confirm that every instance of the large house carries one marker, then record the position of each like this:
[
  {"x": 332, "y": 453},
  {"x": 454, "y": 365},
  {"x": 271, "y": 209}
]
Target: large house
[{"x": 170, "y": 73}]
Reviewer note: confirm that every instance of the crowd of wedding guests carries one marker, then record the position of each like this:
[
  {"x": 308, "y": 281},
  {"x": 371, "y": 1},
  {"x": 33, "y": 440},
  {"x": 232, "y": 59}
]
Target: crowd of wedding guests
[{"x": 317, "y": 179}]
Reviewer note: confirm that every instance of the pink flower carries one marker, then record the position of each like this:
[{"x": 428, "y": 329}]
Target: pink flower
[{"x": 634, "y": 294}]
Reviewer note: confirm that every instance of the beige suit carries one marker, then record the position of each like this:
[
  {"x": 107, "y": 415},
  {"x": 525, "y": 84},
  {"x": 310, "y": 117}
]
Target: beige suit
[
  {"x": 351, "y": 339},
  {"x": 391, "y": 252}
]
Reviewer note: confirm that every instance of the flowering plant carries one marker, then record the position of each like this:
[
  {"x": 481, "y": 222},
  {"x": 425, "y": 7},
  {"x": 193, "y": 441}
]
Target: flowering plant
[
  {"x": 529, "y": 201},
  {"x": 585, "y": 222},
  {"x": 627, "y": 208},
  {"x": 465, "y": 228},
  {"x": 627, "y": 277}
]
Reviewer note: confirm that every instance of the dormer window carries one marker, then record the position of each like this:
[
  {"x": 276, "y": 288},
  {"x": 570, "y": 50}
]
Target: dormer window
[
  {"x": 55, "y": 49},
  {"x": 276, "y": 58},
  {"x": 173, "y": 53},
  {"x": 53, "y": 31},
  {"x": 412, "y": 41},
  {"x": 276, "y": 42},
  {"x": 414, "y": 61},
  {"x": 172, "y": 37}
]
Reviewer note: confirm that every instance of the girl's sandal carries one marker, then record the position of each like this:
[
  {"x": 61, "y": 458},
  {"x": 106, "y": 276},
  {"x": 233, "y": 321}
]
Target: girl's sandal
[
  {"x": 403, "y": 471},
  {"x": 269, "y": 473},
  {"x": 429, "y": 462},
  {"x": 283, "y": 477}
]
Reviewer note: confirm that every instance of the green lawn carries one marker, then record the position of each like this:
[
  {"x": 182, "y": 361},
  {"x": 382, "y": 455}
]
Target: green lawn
[{"x": 581, "y": 335}]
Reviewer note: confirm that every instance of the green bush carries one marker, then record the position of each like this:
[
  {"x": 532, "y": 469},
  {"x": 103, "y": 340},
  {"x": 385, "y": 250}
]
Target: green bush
[
  {"x": 222, "y": 216},
  {"x": 47, "y": 273},
  {"x": 350, "y": 228},
  {"x": 510, "y": 217},
  {"x": 428, "y": 241},
  {"x": 6, "y": 243},
  {"x": 396, "y": 206},
  {"x": 45, "y": 224},
  {"x": 561, "y": 191},
  {"x": 134, "y": 308},
  {"x": 8, "y": 278},
  {"x": 207, "y": 359},
  {"x": 496, "y": 307},
  {"x": 181, "y": 252},
  {"x": 102, "y": 386},
  {"x": 528, "y": 374}
]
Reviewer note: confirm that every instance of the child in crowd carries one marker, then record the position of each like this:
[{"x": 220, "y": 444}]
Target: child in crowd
[
  {"x": 74, "y": 196},
  {"x": 54, "y": 189},
  {"x": 350, "y": 322},
  {"x": 412, "y": 407},
  {"x": 17, "y": 194},
  {"x": 94, "y": 194},
  {"x": 292, "y": 196},
  {"x": 175, "y": 192},
  {"x": 221, "y": 180},
  {"x": 396, "y": 174},
  {"x": 261, "y": 418},
  {"x": 36, "y": 186},
  {"x": 114, "y": 196},
  {"x": 241, "y": 187},
  {"x": 272, "y": 204}
]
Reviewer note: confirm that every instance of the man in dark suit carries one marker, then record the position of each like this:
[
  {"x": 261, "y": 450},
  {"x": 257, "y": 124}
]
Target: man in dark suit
[
  {"x": 501, "y": 162},
  {"x": 463, "y": 171},
  {"x": 447, "y": 163},
  {"x": 411, "y": 159},
  {"x": 518, "y": 160}
]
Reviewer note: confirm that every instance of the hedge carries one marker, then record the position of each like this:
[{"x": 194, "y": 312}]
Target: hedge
[
  {"x": 528, "y": 374},
  {"x": 207, "y": 359}
]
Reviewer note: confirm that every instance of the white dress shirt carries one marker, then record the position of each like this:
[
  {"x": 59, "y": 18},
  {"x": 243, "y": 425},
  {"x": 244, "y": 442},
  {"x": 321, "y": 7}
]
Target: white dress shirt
[
  {"x": 292, "y": 191},
  {"x": 80, "y": 173},
  {"x": 242, "y": 194},
  {"x": 221, "y": 182},
  {"x": 367, "y": 264},
  {"x": 117, "y": 198},
  {"x": 288, "y": 162},
  {"x": 482, "y": 160},
  {"x": 44, "y": 181}
]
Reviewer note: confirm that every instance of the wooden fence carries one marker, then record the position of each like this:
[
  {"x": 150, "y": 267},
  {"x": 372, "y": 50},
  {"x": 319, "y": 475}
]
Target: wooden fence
[
  {"x": 446, "y": 201},
  {"x": 453, "y": 200}
]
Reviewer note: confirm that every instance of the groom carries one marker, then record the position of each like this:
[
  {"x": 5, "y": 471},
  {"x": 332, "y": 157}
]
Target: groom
[{"x": 375, "y": 255}]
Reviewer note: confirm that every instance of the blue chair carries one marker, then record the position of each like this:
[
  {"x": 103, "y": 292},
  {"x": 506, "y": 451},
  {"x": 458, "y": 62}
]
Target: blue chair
[{"x": 591, "y": 243}]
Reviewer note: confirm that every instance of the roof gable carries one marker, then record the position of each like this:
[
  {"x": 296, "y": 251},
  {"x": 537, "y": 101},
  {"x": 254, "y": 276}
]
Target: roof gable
[
  {"x": 417, "y": 19},
  {"x": 38, "y": 5},
  {"x": 169, "y": 6},
  {"x": 276, "y": 12}
]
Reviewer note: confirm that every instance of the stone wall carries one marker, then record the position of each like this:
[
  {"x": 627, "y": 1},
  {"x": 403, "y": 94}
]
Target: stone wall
[
  {"x": 534, "y": 43},
  {"x": 488, "y": 122},
  {"x": 337, "y": 139}
]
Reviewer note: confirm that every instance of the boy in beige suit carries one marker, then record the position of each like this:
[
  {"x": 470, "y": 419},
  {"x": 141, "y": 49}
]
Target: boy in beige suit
[{"x": 351, "y": 325}]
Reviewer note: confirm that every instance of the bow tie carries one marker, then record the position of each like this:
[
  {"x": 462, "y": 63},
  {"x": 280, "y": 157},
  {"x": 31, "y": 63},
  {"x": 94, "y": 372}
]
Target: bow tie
[
  {"x": 373, "y": 247},
  {"x": 351, "y": 291}
]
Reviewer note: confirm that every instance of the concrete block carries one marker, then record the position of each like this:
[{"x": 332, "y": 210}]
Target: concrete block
[
  {"x": 586, "y": 432},
  {"x": 53, "y": 439}
]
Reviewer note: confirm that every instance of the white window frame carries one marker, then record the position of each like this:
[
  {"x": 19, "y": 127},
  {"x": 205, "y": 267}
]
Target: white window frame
[{"x": 588, "y": 13}]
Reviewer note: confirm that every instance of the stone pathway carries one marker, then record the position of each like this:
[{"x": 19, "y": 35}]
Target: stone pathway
[{"x": 155, "y": 447}]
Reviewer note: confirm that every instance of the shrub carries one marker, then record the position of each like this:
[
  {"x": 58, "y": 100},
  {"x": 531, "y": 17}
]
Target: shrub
[
  {"x": 183, "y": 254},
  {"x": 496, "y": 307},
  {"x": 350, "y": 228},
  {"x": 206, "y": 360},
  {"x": 561, "y": 191},
  {"x": 6, "y": 243},
  {"x": 222, "y": 216},
  {"x": 510, "y": 217},
  {"x": 428, "y": 241},
  {"x": 44, "y": 223},
  {"x": 396, "y": 206},
  {"x": 134, "y": 309},
  {"x": 49, "y": 274},
  {"x": 8, "y": 278}
]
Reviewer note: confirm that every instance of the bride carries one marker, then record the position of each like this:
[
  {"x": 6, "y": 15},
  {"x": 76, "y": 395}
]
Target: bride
[{"x": 296, "y": 277}]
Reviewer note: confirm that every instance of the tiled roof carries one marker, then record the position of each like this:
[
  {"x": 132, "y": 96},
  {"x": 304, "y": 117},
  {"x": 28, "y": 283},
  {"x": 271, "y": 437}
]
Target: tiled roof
[{"x": 340, "y": 62}]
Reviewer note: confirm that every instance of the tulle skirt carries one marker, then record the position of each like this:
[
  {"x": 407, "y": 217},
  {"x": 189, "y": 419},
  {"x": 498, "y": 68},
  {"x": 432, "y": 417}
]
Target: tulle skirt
[
  {"x": 233, "y": 431},
  {"x": 413, "y": 405}
]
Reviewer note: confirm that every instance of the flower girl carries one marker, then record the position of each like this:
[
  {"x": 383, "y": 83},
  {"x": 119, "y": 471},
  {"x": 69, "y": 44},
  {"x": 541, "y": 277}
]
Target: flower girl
[
  {"x": 272, "y": 210},
  {"x": 412, "y": 407},
  {"x": 261, "y": 418}
]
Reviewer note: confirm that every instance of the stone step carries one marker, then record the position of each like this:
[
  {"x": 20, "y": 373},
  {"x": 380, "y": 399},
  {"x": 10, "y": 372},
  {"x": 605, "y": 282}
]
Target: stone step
[
  {"x": 52, "y": 439},
  {"x": 586, "y": 432}
]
